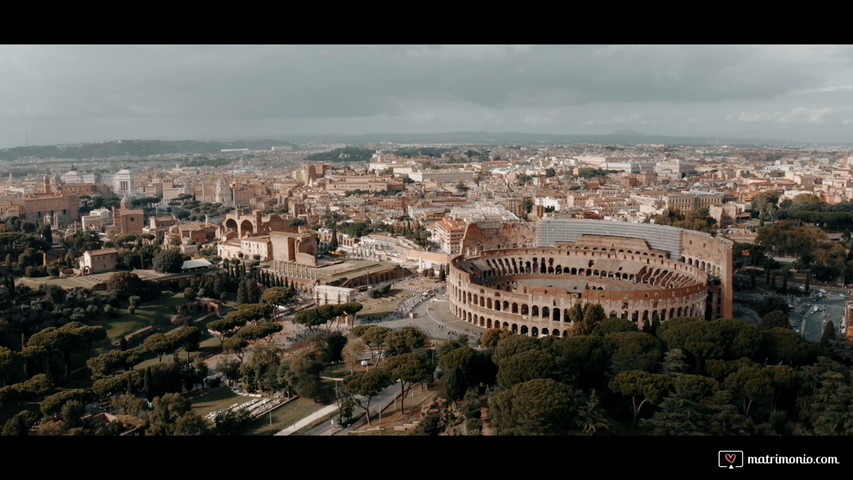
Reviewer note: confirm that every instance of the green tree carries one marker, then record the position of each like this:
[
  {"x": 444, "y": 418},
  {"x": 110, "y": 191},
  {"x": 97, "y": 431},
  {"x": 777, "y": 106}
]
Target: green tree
[
  {"x": 366, "y": 385},
  {"x": 167, "y": 409},
  {"x": 260, "y": 371},
  {"x": 511, "y": 345},
  {"x": 776, "y": 318},
  {"x": 492, "y": 336},
  {"x": 11, "y": 366},
  {"x": 739, "y": 338},
  {"x": 159, "y": 344},
  {"x": 408, "y": 368},
  {"x": 592, "y": 418},
  {"x": 751, "y": 383},
  {"x": 537, "y": 407},
  {"x": 109, "y": 362},
  {"x": 786, "y": 346},
  {"x": 613, "y": 325},
  {"x": 640, "y": 385},
  {"x": 236, "y": 345},
  {"x": 827, "y": 336},
  {"x": 525, "y": 366},
  {"x": 231, "y": 422},
  {"x": 187, "y": 338},
  {"x": 374, "y": 336},
  {"x": 278, "y": 296},
  {"x": 682, "y": 412},
  {"x": 405, "y": 340},
  {"x": 52, "y": 405},
  {"x": 692, "y": 336},
  {"x": 123, "y": 284},
  {"x": 633, "y": 351},
  {"x": 582, "y": 360},
  {"x": 169, "y": 260},
  {"x": 303, "y": 374},
  {"x": 786, "y": 237},
  {"x": 353, "y": 352},
  {"x": 593, "y": 314},
  {"x": 118, "y": 383},
  {"x": 765, "y": 204},
  {"x": 674, "y": 363},
  {"x": 19, "y": 425},
  {"x": 191, "y": 424},
  {"x": 463, "y": 367},
  {"x": 128, "y": 404},
  {"x": 190, "y": 294},
  {"x": 824, "y": 398},
  {"x": 258, "y": 331},
  {"x": 310, "y": 319}
]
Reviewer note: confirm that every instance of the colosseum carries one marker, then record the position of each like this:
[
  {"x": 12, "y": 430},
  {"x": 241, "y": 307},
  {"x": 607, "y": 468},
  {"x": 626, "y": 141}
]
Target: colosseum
[{"x": 639, "y": 272}]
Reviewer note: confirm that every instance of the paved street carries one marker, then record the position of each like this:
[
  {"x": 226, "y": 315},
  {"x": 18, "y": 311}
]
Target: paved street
[{"x": 434, "y": 318}]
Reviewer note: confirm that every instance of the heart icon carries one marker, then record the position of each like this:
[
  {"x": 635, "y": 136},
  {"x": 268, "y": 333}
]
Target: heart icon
[{"x": 730, "y": 457}]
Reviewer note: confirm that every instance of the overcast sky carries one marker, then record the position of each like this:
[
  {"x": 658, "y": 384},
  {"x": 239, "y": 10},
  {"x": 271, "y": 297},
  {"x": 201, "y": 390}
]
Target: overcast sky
[{"x": 66, "y": 94}]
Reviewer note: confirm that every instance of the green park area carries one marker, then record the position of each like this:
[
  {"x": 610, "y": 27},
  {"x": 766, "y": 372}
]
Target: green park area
[{"x": 276, "y": 420}]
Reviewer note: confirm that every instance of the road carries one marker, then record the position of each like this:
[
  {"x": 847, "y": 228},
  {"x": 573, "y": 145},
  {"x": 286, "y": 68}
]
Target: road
[
  {"x": 433, "y": 317},
  {"x": 330, "y": 427},
  {"x": 830, "y": 303},
  {"x": 830, "y": 306}
]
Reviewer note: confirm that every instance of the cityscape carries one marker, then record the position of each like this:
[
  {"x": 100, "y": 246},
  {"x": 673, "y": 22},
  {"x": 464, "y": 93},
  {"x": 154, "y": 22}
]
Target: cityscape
[{"x": 533, "y": 282}]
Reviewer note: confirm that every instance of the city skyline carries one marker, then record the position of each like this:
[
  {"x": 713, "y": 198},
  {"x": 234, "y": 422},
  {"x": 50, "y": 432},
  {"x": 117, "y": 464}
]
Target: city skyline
[{"x": 58, "y": 94}]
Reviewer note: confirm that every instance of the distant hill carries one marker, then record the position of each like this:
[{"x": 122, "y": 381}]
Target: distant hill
[
  {"x": 624, "y": 137},
  {"x": 141, "y": 148},
  {"x": 134, "y": 148}
]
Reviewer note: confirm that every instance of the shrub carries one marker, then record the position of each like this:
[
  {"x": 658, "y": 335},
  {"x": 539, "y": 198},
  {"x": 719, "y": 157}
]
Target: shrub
[{"x": 429, "y": 425}]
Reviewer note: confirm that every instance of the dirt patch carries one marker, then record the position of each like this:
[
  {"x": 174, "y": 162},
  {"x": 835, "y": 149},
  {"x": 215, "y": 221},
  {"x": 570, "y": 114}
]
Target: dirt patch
[{"x": 395, "y": 421}]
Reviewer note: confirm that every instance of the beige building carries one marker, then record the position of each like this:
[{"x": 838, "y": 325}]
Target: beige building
[
  {"x": 161, "y": 223},
  {"x": 688, "y": 202},
  {"x": 330, "y": 295},
  {"x": 97, "y": 261},
  {"x": 60, "y": 209},
  {"x": 294, "y": 247},
  {"x": 229, "y": 248},
  {"x": 129, "y": 220},
  {"x": 259, "y": 245},
  {"x": 449, "y": 234}
]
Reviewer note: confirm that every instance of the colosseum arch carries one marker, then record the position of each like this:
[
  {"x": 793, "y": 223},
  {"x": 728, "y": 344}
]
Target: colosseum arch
[
  {"x": 535, "y": 301},
  {"x": 246, "y": 228}
]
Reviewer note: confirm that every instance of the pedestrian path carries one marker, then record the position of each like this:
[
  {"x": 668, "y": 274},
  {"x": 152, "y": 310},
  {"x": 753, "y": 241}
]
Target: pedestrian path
[{"x": 322, "y": 413}]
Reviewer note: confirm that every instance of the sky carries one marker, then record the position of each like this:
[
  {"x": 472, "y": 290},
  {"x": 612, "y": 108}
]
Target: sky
[{"x": 55, "y": 94}]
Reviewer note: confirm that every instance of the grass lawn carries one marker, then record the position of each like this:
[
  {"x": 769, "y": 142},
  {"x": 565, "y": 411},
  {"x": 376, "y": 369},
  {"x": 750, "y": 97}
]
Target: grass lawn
[
  {"x": 281, "y": 417},
  {"x": 157, "y": 312},
  {"x": 217, "y": 400},
  {"x": 338, "y": 370}
]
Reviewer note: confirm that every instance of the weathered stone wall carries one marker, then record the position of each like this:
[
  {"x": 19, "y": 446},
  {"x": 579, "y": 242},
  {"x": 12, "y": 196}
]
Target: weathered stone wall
[
  {"x": 713, "y": 255},
  {"x": 530, "y": 291},
  {"x": 494, "y": 237}
]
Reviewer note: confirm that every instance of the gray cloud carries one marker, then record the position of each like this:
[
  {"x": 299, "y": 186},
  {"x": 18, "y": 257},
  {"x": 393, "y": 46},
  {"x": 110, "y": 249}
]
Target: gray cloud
[{"x": 134, "y": 91}]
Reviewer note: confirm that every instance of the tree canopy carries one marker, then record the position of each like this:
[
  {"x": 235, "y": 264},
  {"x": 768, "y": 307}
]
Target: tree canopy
[{"x": 169, "y": 260}]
